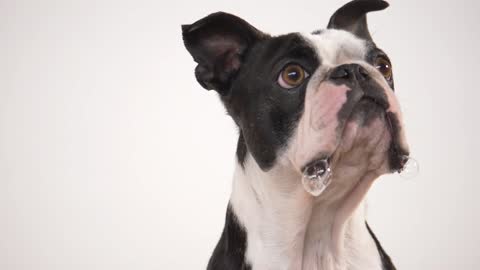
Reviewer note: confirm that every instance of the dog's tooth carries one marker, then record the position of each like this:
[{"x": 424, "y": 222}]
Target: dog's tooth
[
  {"x": 410, "y": 169},
  {"x": 317, "y": 177}
]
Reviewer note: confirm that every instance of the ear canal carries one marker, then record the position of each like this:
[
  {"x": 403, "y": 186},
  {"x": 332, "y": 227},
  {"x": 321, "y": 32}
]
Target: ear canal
[
  {"x": 352, "y": 17},
  {"x": 218, "y": 43}
]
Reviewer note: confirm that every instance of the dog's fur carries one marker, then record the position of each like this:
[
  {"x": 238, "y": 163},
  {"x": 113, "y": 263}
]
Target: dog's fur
[{"x": 344, "y": 111}]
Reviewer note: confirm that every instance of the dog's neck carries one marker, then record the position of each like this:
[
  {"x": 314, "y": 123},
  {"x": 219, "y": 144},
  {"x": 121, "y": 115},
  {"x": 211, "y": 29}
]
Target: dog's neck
[{"x": 287, "y": 228}]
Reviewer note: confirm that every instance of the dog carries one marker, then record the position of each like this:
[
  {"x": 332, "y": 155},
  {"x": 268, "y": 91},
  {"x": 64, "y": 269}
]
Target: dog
[{"x": 299, "y": 100}]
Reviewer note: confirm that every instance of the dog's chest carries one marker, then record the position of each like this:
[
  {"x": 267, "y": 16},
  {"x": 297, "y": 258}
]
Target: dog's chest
[
  {"x": 286, "y": 231},
  {"x": 354, "y": 251},
  {"x": 310, "y": 248}
]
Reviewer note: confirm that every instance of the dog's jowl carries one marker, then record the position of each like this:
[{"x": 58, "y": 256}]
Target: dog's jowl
[{"x": 299, "y": 100}]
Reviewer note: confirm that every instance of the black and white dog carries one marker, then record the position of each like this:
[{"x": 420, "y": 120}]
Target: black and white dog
[{"x": 299, "y": 98}]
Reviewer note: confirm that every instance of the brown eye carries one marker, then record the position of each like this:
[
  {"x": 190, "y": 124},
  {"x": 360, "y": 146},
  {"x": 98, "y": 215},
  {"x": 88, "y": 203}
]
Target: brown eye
[
  {"x": 384, "y": 66},
  {"x": 292, "y": 76}
]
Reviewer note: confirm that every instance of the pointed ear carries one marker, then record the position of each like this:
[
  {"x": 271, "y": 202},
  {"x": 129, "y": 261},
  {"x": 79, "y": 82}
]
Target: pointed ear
[
  {"x": 218, "y": 43},
  {"x": 352, "y": 17}
]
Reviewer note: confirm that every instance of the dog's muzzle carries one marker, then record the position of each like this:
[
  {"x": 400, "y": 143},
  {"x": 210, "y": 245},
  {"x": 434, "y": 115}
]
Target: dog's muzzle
[{"x": 351, "y": 116}]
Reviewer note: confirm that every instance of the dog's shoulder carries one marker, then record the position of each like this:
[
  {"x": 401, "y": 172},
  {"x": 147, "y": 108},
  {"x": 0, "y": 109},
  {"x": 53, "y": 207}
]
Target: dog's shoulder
[{"x": 229, "y": 254}]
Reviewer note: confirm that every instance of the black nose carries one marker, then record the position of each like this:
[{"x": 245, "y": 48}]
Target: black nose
[{"x": 349, "y": 72}]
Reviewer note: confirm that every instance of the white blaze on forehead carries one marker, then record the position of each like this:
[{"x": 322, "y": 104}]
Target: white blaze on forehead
[{"x": 335, "y": 47}]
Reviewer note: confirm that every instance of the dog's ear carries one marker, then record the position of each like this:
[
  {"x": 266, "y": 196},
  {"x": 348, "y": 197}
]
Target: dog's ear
[
  {"x": 352, "y": 17},
  {"x": 218, "y": 43}
]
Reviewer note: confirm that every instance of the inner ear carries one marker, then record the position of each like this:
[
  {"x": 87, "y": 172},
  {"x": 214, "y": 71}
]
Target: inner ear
[
  {"x": 352, "y": 17},
  {"x": 218, "y": 43}
]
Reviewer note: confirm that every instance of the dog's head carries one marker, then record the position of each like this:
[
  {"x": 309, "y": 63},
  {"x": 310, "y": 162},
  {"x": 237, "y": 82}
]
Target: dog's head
[{"x": 303, "y": 97}]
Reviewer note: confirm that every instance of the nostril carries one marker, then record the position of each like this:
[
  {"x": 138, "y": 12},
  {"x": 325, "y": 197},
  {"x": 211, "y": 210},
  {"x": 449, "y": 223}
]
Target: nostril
[
  {"x": 340, "y": 73},
  {"x": 362, "y": 72}
]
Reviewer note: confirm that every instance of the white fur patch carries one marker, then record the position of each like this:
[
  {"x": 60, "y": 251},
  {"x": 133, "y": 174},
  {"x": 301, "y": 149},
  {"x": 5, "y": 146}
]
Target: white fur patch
[
  {"x": 289, "y": 229},
  {"x": 336, "y": 47}
]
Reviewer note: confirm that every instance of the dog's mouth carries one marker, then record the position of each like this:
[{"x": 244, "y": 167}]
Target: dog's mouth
[
  {"x": 371, "y": 116},
  {"x": 397, "y": 155}
]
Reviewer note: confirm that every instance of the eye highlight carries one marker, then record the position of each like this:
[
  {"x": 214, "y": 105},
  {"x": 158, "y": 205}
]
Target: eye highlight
[
  {"x": 292, "y": 75},
  {"x": 383, "y": 65}
]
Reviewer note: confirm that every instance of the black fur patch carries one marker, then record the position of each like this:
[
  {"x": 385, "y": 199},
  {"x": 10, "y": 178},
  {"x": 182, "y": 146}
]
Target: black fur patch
[
  {"x": 265, "y": 112},
  {"x": 241, "y": 150},
  {"x": 229, "y": 254}
]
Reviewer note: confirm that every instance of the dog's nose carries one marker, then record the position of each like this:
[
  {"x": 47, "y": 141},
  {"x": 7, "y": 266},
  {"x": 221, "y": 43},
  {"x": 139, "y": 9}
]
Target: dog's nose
[{"x": 349, "y": 72}]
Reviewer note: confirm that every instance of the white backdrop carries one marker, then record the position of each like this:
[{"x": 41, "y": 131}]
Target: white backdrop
[{"x": 113, "y": 157}]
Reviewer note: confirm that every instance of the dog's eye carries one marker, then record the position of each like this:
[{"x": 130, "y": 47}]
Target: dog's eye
[
  {"x": 384, "y": 66},
  {"x": 292, "y": 75}
]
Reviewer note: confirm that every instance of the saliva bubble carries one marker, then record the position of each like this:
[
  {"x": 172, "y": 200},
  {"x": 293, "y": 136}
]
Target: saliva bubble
[
  {"x": 410, "y": 169},
  {"x": 316, "y": 177}
]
